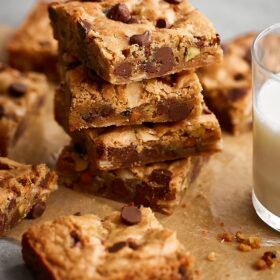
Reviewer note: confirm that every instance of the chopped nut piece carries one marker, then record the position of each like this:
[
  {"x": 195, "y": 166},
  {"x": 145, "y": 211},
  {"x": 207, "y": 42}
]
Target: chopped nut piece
[
  {"x": 268, "y": 260},
  {"x": 225, "y": 237},
  {"x": 244, "y": 247},
  {"x": 261, "y": 265},
  {"x": 254, "y": 242},
  {"x": 192, "y": 53},
  {"x": 212, "y": 257}
]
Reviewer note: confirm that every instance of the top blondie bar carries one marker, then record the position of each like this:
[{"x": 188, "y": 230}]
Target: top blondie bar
[{"x": 128, "y": 40}]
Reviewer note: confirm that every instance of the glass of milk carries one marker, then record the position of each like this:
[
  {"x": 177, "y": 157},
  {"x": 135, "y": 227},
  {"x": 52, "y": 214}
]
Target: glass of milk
[{"x": 266, "y": 125}]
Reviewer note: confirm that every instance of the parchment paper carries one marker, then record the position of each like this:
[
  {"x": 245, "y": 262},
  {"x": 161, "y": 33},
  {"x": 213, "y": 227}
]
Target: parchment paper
[{"x": 222, "y": 195}]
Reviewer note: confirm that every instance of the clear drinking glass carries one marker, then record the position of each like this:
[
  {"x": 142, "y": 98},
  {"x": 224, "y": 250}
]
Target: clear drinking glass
[{"x": 266, "y": 125}]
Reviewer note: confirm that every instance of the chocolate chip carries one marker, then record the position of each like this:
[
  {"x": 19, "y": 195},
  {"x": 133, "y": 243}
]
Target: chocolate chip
[
  {"x": 161, "y": 177},
  {"x": 123, "y": 70},
  {"x": 162, "y": 23},
  {"x": 119, "y": 12},
  {"x": 236, "y": 94},
  {"x": 217, "y": 39},
  {"x": 176, "y": 2},
  {"x": 37, "y": 210},
  {"x": 84, "y": 27},
  {"x": 141, "y": 40},
  {"x": 78, "y": 214},
  {"x": 73, "y": 65},
  {"x": 99, "y": 112},
  {"x": 4, "y": 166},
  {"x": 76, "y": 239},
  {"x": 80, "y": 148},
  {"x": 12, "y": 204},
  {"x": 182, "y": 272},
  {"x": 179, "y": 111},
  {"x": 131, "y": 215},
  {"x": 2, "y": 111},
  {"x": 45, "y": 181},
  {"x": 164, "y": 56},
  {"x": 126, "y": 113},
  {"x": 239, "y": 77},
  {"x": 126, "y": 52},
  {"x": 133, "y": 245},
  {"x": 133, "y": 20},
  {"x": 17, "y": 89},
  {"x": 117, "y": 247}
]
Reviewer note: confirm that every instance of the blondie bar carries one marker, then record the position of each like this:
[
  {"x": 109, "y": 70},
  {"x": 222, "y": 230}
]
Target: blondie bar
[
  {"x": 123, "y": 147},
  {"x": 160, "y": 186},
  {"x": 32, "y": 46},
  {"x": 24, "y": 190},
  {"x": 128, "y": 245},
  {"x": 227, "y": 86},
  {"x": 127, "y": 40},
  {"x": 92, "y": 102},
  {"x": 20, "y": 94}
]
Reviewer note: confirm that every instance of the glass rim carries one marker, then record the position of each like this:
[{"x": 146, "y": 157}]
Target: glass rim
[{"x": 254, "y": 55}]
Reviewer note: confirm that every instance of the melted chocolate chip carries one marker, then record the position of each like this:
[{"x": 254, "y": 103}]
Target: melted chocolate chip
[
  {"x": 76, "y": 238},
  {"x": 12, "y": 204},
  {"x": 80, "y": 148},
  {"x": 133, "y": 20},
  {"x": 37, "y": 210},
  {"x": 131, "y": 215},
  {"x": 141, "y": 40},
  {"x": 126, "y": 113},
  {"x": 119, "y": 12},
  {"x": 236, "y": 94},
  {"x": 133, "y": 245},
  {"x": 123, "y": 70},
  {"x": 239, "y": 77},
  {"x": 182, "y": 272},
  {"x": 17, "y": 89},
  {"x": 179, "y": 111},
  {"x": 4, "y": 166},
  {"x": 2, "y": 111},
  {"x": 78, "y": 214},
  {"x": 117, "y": 247},
  {"x": 84, "y": 27},
  {"x": 162, "y": 23},
  {"x": 161, "y": 177},
  {"x": 164, "y": 56},
  {"x": 176, "y": 2},
  {"x": 100, "y": 112}
]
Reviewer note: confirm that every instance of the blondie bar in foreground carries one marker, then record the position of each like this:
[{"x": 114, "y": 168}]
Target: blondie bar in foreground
[
  {"x": 160, "y": 186},
  {"x": 227, "y": 86},
  {"x": 128, "y": 245},
  {"x": 126, "y": 40},
  {"x": 93, "y": 102},
  {"x": 32, "y": 47},
  {"x": 20, "y": 95},
  {"x": 123, "y": 147},
  {"x": 24, "y": 190}
]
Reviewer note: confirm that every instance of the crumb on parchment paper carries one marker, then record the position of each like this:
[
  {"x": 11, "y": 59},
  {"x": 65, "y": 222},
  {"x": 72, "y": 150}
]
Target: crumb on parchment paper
[
  {"x": 212, "y": 257},
  {"x": 268, "y": 260}
]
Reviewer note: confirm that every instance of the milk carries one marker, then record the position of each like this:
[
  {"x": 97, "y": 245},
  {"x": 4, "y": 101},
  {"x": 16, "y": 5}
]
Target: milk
[{"x": 266, "y": 161}]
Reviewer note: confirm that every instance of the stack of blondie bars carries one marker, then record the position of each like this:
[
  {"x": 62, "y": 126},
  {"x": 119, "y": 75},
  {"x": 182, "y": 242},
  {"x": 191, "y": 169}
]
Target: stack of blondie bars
[{"x": 130, "y": 99}]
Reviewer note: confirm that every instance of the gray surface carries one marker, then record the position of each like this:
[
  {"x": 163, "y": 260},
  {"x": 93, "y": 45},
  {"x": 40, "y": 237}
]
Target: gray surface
[{"x": 230, "y": 17}]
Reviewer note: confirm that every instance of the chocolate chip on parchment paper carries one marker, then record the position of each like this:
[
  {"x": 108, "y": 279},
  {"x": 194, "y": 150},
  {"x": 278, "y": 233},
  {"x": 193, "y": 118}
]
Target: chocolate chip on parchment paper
[
  {"x": 37, "y": 210},
  {"x": 131, "y": 215}
]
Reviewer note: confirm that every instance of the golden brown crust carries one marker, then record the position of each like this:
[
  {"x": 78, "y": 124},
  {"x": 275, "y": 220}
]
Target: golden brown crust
[
  {"x": 160, "y": 186},
  {"x": 93, "y": 102},
  {"x": 87, "y": 248},
  {"x": 22, "y": 187},
  {"x": 85, "y": 30}
]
